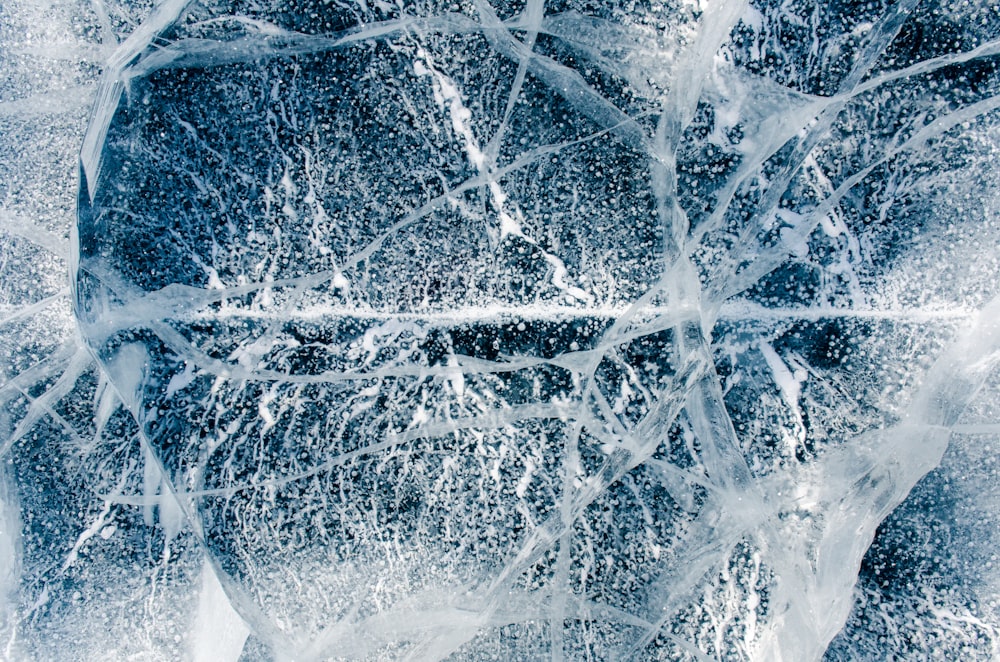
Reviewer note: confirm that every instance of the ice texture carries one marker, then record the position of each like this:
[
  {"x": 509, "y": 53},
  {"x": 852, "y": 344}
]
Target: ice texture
[{"x": 518, "y": 331}]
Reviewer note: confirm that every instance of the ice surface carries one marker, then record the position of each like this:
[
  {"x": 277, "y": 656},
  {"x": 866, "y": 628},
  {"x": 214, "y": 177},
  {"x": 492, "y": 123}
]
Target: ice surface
[{"x": 534, "y": 330}]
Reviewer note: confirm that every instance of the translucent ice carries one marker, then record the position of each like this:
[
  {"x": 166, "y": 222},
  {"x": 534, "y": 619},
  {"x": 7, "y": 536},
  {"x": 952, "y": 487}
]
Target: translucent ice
[{"x": 524, "y": 330}]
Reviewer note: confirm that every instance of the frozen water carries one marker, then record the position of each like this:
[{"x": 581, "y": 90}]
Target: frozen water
[{"x": 531, "y": 330}]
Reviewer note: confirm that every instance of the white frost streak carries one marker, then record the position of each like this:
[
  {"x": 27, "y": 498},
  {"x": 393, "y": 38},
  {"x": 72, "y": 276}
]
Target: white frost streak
[
  {"x": 10, "y": 540},
  {"x": 218, "y": 632},
  {"x": 789, "y": 382},
  {"x": 448, "y": 96}
]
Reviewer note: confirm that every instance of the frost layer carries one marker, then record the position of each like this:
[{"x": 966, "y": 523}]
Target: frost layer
[{"x": 520, "y": 331}]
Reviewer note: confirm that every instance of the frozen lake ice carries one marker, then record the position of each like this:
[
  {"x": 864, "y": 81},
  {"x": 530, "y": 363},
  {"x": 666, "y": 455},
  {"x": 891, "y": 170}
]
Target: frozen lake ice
[{"x": 470, "y": 331}]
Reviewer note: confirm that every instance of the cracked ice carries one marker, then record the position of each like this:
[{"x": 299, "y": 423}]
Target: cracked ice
[{"x": 466, "y": 331}]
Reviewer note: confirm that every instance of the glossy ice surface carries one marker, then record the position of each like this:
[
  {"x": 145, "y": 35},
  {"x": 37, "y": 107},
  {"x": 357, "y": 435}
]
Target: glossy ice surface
[{"x": 471, "y": 331}]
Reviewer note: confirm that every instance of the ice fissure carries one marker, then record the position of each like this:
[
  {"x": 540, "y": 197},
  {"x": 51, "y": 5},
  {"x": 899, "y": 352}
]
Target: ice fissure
[{"x": 518, "y": 330}]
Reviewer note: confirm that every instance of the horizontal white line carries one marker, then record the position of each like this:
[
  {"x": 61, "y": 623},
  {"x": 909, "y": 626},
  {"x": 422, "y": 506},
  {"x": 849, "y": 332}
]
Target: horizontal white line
[{"x": 729, "y": 312}]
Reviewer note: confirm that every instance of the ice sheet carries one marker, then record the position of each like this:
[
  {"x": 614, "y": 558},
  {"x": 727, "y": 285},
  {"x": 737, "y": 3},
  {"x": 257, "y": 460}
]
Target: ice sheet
[{"x": 517, "y": 331}]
